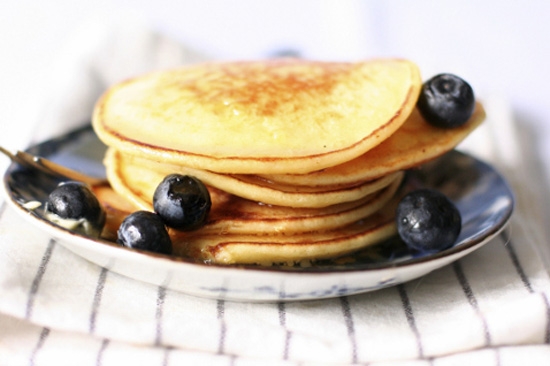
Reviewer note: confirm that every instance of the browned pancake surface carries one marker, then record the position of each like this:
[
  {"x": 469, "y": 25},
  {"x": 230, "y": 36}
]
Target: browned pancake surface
[{"x": 278, "y": 116}]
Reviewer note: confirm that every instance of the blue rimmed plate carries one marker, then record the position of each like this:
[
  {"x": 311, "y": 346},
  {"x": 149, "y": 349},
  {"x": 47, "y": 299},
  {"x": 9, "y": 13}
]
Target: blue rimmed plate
[{"x": 481, "y": 194}]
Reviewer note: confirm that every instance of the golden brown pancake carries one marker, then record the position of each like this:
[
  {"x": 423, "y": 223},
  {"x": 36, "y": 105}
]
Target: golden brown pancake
[
  {"x": 302, "y": 159},
  {"x": 414, "y": 143},
  {"x": 233, "y": 215},
  {"x": 276, "y": 248},
  {"x": 289, "y": 249},
  {"x": 138, "y": 178},
  {"x": 269, "y": 117}
]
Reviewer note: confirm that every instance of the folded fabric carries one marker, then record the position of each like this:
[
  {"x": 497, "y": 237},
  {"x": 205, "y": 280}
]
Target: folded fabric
[
  {"x": 491, "y": 307},
  {"x": 28, "y": 344}
]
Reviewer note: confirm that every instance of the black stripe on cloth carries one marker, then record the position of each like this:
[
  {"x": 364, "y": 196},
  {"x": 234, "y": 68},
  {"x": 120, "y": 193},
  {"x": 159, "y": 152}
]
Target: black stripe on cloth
[
  {"x": 282, "y": 321},
  {"x": 101, "y": 352},
  {"x": 3, "y": 206},
  {"x": 463, "y": 281},
  {"x": 44, "y": 333},
  {"x": 350, "y": 326},
  {"x": 38, "y": 278},
  {"x": 161, "y": 295},
  {"x": 410, "y": 318},
  {"x": 166, "y": 355},
  {"x": 509, "y": 245},
  {"x": 220, "y": 306},
  {"x": 97, "y": 299},
  {"x": 515, "y": 260},
  {"x": 547, "y": 303},
  {"x": 497, "y": 356}
]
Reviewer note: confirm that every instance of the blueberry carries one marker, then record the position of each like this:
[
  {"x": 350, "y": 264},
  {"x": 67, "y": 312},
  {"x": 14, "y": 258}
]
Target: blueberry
[
  {"x": 144, "y": 230},
  {"x": 446, "y": 101},
  {"x": 183, "y": 202},
  {"x": 428, "y": 221},
  {"x": 74, "y": 206}
]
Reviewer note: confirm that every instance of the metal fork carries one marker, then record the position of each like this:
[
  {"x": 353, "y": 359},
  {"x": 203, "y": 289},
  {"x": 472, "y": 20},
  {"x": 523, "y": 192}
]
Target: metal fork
[{"x": 48, "y": 166}]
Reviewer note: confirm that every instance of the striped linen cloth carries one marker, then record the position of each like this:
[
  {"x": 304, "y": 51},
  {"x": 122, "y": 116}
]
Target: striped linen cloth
[{"x": 490, "y": 308}]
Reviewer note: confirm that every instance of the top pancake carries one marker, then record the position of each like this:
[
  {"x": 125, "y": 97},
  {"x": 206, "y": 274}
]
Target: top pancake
[{"x": 263, "y": 117}]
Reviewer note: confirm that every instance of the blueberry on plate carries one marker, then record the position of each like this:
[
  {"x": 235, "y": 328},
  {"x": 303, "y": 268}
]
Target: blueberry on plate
[
  {"x": 144, "y": 230},
  {"x": 182, "y": 201},
  {"x": 74, "y": 206},
  {"x": 446, "y": 101},
  {"x": 427, "y": 221}
]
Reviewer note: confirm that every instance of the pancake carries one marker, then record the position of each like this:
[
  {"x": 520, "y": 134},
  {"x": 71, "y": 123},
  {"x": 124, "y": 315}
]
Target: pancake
[
  {"x": 289, "y": 249},
  {"x": 262, "y": 117},
  {"x": 138, "y": 178},
  {"x": 303, "y": 160},
  {"x": 276, "y": 248},
  {"x": 233, "y": 215},
  {"x": 414, "y": 143}
]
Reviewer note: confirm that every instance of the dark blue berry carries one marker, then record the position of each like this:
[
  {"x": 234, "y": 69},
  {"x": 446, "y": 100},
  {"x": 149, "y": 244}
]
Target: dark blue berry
[
  {"x": 183, "y": 202},
  {"x": 428, "y": 221},
  {"x": 446, "y": 101},
  {"x": 75, "y": 201},
  {"x": 144, "y": 230}
]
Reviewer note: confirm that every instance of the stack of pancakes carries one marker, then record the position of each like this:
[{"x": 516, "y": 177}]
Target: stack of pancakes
[{"x": 303, "y": 160}]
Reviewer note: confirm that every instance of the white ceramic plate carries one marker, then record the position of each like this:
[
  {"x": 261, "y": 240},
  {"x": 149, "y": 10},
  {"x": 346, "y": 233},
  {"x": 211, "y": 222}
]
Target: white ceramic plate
[{"x": 480, "y": 193}]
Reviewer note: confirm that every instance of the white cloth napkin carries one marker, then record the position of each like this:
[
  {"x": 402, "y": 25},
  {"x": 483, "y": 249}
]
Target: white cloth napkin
[{"x": 489, "y": 308}]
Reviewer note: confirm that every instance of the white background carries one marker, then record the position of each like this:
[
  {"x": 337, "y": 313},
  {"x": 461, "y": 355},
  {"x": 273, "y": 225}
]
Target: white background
[{"x": 501, "y": 47}]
